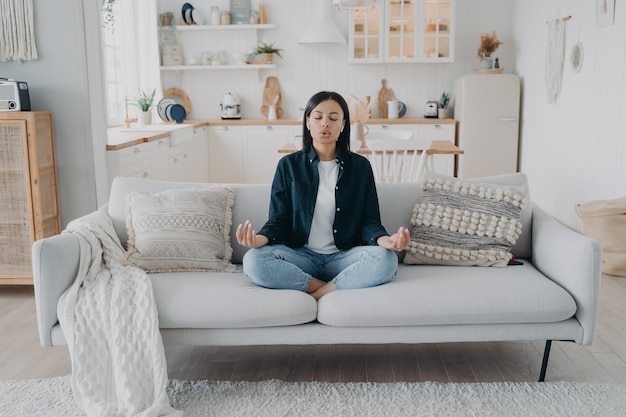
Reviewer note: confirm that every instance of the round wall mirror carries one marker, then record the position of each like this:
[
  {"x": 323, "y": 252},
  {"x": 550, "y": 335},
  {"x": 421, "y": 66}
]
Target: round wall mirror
[{"x": 576, "y": 57}]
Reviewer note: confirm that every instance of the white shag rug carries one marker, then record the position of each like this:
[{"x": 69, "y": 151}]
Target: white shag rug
[{"x": 52, "y": 397}]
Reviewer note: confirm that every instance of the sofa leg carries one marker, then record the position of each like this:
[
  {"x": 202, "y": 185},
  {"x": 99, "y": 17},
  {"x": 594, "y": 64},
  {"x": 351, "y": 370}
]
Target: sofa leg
[{"x": 544, "y": 364}]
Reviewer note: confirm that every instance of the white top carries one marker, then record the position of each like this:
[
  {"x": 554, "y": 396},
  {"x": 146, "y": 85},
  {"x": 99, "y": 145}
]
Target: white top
[{"x": 321, "y": 238}]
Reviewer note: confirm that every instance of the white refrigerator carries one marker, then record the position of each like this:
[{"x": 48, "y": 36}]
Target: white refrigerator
[{"x": 486, "y": 107}]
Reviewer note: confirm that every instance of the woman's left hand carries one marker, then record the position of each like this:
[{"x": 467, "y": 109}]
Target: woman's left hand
[{"x": 399, "y": 241}]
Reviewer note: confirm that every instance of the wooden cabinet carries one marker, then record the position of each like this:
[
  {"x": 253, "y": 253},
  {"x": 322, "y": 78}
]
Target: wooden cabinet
[
  {"x": 402, "y": 31},
  {"x": 29, "y": 207}
]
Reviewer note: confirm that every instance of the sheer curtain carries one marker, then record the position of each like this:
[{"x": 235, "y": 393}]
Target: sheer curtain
[{"x": 130, "y": 52}]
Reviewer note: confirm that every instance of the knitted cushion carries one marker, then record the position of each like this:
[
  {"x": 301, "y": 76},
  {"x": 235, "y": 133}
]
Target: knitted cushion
[
  {"x": 461, "y": 222},
  {"x": 180, "y": 230}
]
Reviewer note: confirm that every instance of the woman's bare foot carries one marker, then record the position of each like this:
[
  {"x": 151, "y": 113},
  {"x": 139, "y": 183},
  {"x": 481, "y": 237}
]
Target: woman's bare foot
[
  {"x": 323, "y": 290},
  {"x": 315, "y": 285}
]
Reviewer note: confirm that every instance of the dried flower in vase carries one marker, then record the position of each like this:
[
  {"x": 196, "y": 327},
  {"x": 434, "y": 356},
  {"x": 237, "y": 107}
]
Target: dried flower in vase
[{"x": 488, "y": 44}]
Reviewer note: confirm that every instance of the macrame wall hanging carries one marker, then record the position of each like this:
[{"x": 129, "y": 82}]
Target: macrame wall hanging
[
  {"x": 17, "y": 31},
  {"x": 555, "y": 58}
]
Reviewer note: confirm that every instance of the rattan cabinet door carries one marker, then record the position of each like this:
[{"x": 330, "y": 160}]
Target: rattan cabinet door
[{"x": 29, "y": 203}]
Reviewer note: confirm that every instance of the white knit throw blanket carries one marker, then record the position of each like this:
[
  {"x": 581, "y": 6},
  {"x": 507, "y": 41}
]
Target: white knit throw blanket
[
  {"x": 109, "y": 319},
  {"x": 17, "y": 31}
]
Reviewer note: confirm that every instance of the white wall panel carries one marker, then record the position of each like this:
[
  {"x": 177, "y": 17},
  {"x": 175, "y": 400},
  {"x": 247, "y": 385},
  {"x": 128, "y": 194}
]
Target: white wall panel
[{"x": 573, "y": 150}]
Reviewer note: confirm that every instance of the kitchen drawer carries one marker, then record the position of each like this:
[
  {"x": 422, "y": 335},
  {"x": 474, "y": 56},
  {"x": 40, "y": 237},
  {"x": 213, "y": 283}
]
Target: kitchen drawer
[
  {"x": 435, "y": 131},
  {"x": 134, "y": 161}
]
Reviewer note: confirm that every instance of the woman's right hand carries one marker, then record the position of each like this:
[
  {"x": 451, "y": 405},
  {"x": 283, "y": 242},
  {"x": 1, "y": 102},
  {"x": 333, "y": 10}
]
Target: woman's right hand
[{"x": 246, "y": 236}]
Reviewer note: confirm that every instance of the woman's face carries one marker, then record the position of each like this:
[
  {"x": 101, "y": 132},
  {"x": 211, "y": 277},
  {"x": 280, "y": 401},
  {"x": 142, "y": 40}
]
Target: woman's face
[{"x": 325, "y": 123}]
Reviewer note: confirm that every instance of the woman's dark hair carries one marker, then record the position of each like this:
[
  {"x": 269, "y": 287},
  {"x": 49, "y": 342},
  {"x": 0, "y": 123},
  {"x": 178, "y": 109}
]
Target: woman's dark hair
[{"x": 344, "y": 136}]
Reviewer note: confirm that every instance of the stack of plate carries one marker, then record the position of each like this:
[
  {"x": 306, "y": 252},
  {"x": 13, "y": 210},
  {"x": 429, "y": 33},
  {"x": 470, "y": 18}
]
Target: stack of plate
[
  {"x": 170, "y": 111},
  {"x": 191, "y": 16}
]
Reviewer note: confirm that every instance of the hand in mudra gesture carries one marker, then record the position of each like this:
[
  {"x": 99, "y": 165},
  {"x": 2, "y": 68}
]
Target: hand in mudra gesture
[
  {"x": 399, "y": 241},
  {"x": 246, "y": 236}
]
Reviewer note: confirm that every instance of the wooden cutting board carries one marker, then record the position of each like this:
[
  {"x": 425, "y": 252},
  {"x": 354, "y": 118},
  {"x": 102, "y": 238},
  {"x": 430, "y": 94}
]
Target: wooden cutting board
[
  {"x": 385, "y": 94},
  {"x": 271, "y": 94}
]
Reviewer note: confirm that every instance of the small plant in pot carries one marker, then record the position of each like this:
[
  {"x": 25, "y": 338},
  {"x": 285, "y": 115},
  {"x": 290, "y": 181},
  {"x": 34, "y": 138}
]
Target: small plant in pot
[
  {"x": 145, "y": 103},
  {"x": 266, "y": 52},
  {"x": 444, "y": 103}
]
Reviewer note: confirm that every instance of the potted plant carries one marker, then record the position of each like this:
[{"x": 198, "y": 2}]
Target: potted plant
[
  {"x": 488, "y": 44},
  {"x": 266, "y": 51},
  {"x": 145, "y": 103},
  {"x": 444, "y": 103}
]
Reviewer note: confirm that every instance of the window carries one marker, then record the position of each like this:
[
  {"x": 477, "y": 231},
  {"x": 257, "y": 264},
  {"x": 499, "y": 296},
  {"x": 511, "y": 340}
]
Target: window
[{"x": 130, "y": 56}]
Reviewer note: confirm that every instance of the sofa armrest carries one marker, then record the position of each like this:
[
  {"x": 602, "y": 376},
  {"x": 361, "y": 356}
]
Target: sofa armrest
[
  {"x": 55, "y": 265},
  {"x": 573, "y": 261}
]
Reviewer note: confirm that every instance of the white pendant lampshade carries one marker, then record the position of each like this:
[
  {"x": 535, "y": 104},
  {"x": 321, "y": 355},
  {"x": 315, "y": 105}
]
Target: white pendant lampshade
[
  {"x": 322, "y": 29},
  {"x": 352, "y": 4}
]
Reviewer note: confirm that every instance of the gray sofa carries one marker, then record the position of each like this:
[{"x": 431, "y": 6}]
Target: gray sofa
[{"x": 554, "y": 295}]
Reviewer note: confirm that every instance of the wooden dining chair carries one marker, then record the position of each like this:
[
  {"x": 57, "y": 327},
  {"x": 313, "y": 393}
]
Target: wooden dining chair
[{"x": 398, "y": 160}]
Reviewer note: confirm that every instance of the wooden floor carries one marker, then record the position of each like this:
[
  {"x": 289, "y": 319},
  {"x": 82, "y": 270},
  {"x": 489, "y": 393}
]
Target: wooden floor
[{"x": 22, "y": 357}]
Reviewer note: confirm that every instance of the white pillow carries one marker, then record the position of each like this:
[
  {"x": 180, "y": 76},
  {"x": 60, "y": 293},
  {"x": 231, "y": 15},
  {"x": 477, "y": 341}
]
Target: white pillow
[
  {"x": 180, "y": 230},
  {"x": 462, "y": 222}
]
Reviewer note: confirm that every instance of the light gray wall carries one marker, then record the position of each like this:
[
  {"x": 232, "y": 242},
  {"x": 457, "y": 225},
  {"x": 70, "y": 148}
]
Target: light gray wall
[
  {"x": 574, "y": 150},
  {"x": 57, "y": 82}
]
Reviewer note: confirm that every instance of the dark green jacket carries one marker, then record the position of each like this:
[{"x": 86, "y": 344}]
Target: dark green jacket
[{"x": 294, "y": 192}]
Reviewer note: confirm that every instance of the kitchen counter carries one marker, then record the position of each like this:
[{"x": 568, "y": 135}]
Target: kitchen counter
[{"x": 121, "y": 137}]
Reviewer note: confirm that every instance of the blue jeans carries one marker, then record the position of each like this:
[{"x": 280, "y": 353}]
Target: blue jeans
[{"x": 282, "y": 267}]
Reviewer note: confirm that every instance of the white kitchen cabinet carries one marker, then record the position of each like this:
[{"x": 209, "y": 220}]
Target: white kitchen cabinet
[
  {"x": 400, "y": 31},
  {"x": 174, "y": 162},
  {"x": 261, "y": 155},
  {"x": 200, "y": 161},
  {"x": 133, "y": 161},
  {"x": 225, "y": 153},
  {"x": 169, "y": 158}
]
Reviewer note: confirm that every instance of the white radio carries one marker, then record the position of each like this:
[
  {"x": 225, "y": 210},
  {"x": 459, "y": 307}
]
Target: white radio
[{"x": 14, "y": 95}]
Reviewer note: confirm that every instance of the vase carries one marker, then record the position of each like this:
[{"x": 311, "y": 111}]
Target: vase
[
  {"x": 486, "y": 62},
  {"x": 357, "y": 135},
  {"x": 144, "y": 118},
  {"x": 444, "y": 113},
  {"x": 267, "y": 58}
]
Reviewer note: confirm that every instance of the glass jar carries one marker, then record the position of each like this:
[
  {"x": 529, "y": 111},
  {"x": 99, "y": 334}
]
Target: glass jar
[
  {"x": 215, "y": 15},
  {"x": 254, "y": 17},
  {"x": 225, "y": 18}
]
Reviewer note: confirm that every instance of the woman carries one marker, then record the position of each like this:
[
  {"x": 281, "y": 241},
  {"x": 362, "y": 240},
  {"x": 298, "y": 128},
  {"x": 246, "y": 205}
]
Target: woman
[{"x": 324, "y": 231}]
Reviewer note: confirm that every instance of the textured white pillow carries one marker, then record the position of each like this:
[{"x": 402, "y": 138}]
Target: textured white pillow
[
  {"x": 180, "y": 230},
  {"x": 462, "y": 222}
]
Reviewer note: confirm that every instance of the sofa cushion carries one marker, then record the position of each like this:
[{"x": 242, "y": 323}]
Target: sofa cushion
[
  {"x": 178, "y": 230},
  {"x": 441, "y": 295},
  {"x": 461, "y": 222},
  {"x": 226, "y": 300}
]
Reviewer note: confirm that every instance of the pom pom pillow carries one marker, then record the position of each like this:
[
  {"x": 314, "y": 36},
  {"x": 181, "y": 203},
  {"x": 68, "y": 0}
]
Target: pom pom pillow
[
  {"x": 180, "y": 230},
  {"x": 462, "y": 222}
]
